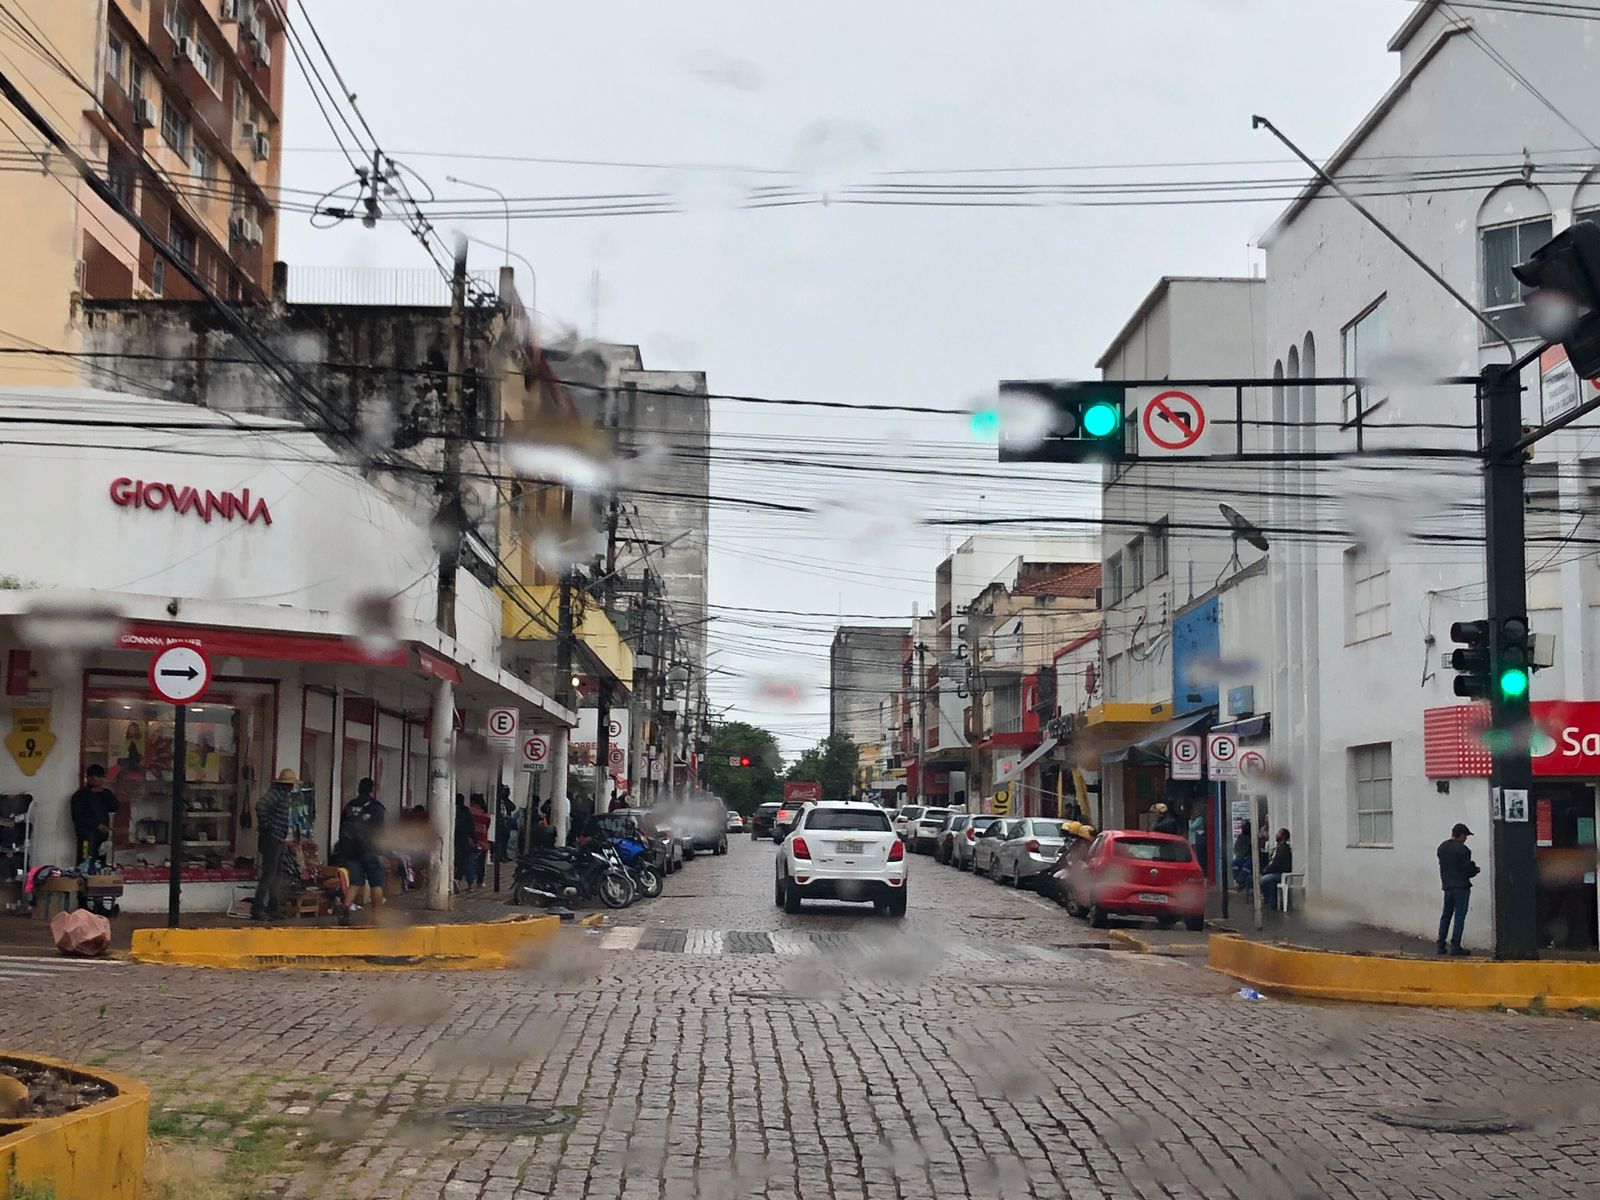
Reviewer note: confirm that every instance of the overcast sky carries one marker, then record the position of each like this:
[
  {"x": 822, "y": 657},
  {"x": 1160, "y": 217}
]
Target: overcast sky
[{"x": 849, "y": 302}]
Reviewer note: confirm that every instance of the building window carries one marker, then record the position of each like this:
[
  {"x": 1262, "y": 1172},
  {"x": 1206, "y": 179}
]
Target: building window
[
  {"x": 116, "y": 60},
  {"x": 1159, "y": 539},
  {"x": 174, "y": 129},
  {"x": 241, "y": 106},
  {"x": 1371, "y": 773},
  {"x": 1360, "y": 344},
  {"x": 1135, "y": 568},
  {"x": 1113, "y": 581},
  {"x": 178, "y": 22},
  {"x": 136, "y": 81},
  {"x": 158, "y": 276},
  {"x": 205, "y": 61},
  {"x": 119, "y": 176},
  {"x": 182, "y": 241},
  {"x": 203, "y": 163},
  {"x": 1366, "y": 590},
  {"x": 1116, "y": 677},
  {"x": 1503, "y": 248}
]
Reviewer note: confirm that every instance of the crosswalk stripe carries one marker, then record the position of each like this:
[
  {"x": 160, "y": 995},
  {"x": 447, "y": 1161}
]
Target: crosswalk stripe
[
  {"x": 44, "y": 965},
  {"x": 704, "y": 941},
  {"x": 623, "y": 938}
]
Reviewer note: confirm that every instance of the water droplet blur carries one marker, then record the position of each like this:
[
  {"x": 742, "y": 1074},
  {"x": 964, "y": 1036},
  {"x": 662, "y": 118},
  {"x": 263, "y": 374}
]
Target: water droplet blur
[
  {"x": 719, "y": 70},
  {"x": 376, "y": 617},
  {"x": 777, "y": 692},
  {"x": 831, "y": 156}
]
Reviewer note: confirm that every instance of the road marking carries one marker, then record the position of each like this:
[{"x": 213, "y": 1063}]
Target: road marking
[
  {"x": 622, "y": 938},
  {"x": 22, "y": 967},
  {"x": 704, "y": 941}
]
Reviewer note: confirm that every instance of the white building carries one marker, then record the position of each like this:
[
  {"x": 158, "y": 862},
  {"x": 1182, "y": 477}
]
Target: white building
[
  {"x": 1473, "y": 170},
  {"x": 143, "y": 522}
]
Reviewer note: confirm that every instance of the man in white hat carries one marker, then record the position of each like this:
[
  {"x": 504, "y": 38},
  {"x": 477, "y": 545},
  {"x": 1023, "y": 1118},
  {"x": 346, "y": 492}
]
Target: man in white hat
[{"x": 272, "y": 820}]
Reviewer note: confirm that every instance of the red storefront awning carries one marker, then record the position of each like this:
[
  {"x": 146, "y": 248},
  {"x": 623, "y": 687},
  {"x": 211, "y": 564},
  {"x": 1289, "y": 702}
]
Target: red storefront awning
[{"x": 246, "y": 643}]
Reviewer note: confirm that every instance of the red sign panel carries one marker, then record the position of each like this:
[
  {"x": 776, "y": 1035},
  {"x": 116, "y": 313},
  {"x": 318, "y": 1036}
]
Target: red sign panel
[
  {"x": 19, "y": 672},
  {"x": 1565, "y": 743},
  {"x": 797, "y": 791},
  {"x": 244, "y": 643}
]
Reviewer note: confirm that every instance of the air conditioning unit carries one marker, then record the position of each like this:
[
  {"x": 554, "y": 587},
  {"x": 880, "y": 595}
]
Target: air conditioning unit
[
  {"x": 184, "y": 50},
  {"x": 253, "y": 235},
  {"x": 263, "y": 147},
  {"x": 239, "y": 228},
  {"x": 144, "y": 113}
]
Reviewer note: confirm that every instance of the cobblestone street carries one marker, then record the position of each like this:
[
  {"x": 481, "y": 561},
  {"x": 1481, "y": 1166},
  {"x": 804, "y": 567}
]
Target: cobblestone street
[{"x": 707, "y": 1045}]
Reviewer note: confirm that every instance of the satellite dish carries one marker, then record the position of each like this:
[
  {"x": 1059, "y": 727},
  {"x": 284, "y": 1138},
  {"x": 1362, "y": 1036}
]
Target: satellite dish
[{"x": 1243, "y": 527}]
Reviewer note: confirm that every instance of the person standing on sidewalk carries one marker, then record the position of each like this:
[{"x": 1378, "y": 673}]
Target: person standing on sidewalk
[
  {"x": 272, "y": 820},
  {"x": 1456, "y": 870},
  {"x": 360, "y": 827}
]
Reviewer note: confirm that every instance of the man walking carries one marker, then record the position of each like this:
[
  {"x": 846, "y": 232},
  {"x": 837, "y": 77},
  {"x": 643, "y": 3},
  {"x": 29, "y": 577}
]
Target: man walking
[
  {"x": 1456, "y": 870},
  {"x": 360, "y": 825},
  {"x": 272, "y": 819}
]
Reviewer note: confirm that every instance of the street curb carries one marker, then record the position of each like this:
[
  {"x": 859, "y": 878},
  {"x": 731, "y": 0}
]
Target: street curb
[
  {"x": 592, "y": 921},
  {"x": 487, "y": 946},
  {"x": 1130, "y": 941},
  {"x": 1377, "y": 979},
  {"x": 95, "y": 1153}
]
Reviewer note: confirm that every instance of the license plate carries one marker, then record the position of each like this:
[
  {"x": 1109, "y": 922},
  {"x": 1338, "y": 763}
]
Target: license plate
[
  {"x": 848, "y": 847},
  {"x": 1155, "y": 897}
]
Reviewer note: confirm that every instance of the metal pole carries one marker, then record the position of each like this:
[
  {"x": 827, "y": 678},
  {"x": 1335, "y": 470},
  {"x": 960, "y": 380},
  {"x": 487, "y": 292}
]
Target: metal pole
[
  {"x": 1224, "y": 845},
  {"x": 450, "y": 479},
  {"x": 1515, "y": 863},
  {"x": 560, "y": 812},
  {"x": 921, "y": 693},
  {"x": 441, "y": 807},
  {"x": 180, "y": 729},
  {"x": 1255, "y": 866}
]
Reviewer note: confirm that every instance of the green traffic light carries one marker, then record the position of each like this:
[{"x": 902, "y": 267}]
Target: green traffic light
[
  {"x": 985, "y": 425},
  {"x": 1514, "y": 683},
  {"x": 1101, "y": 419}
]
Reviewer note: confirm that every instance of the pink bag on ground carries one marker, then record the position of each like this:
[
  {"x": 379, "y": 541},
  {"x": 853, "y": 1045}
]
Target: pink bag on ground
[{"x": 81, "y": 932}]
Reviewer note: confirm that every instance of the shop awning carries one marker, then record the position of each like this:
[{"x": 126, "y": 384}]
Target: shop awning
[
  {"x": 1108, "y": 727},
  {"x": 1245, "y": 727},
  {"x": 1044, "y": 748},
  {"x": 1153, "y": 743}
]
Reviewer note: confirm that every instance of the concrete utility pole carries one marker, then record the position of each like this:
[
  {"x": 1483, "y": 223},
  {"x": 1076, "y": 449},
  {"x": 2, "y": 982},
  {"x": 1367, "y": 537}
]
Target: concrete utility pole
[
  {"x": 920, "y": 726},
  {"x": 441, "y": 810},
  {"x": 602, "y": 723},
  {"x": 560, "y": 807}
]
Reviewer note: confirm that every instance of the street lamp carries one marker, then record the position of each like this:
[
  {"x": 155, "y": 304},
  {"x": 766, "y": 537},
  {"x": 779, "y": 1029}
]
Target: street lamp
[
  {"x": 490, "y": 188},
  {"x": 533, "y": 280}
]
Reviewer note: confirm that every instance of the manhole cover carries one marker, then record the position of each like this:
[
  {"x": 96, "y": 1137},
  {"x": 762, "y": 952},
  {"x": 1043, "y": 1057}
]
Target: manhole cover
[
  {"x": 507, "y": 1118},
  {"x": 1450, "y": 1118}
]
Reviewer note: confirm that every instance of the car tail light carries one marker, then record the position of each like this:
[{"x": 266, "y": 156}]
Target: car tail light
[
  {"x": 972, "y": 834},
  {"x": 1031, "y": 845},
  {"x": 801, "y": 850},
  {"x": 897, "y": 851}
]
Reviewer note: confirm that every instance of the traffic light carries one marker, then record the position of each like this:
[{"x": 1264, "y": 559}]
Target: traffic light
[
  {"x": 744, "y": 760},
  {"x": 1085, "y": 422},
  {"x": 1564, "y": 278},
  {"x": 1470, "y": 661},
  {"x": 1512, "y": 659}
]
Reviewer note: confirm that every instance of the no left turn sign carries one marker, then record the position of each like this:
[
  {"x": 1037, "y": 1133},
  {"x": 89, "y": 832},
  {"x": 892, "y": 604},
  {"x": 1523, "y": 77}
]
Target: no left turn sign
[{"x": 1173, "y": 420}]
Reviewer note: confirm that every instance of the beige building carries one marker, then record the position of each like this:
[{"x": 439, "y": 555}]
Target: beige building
[{"x": 175, "y": 103}]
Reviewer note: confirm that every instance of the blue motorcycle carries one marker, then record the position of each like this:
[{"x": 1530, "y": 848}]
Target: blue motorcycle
[{"x": 636, "y": 862}]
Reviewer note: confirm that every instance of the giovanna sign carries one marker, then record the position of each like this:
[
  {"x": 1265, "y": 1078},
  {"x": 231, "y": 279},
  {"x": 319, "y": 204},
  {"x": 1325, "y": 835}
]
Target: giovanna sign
[{"x": 202, "y": 503}]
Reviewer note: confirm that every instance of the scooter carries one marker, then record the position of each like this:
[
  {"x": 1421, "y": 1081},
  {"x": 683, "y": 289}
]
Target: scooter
[
  {"x": 635, "y": 859},
  {"x": 590, "y": 872}
]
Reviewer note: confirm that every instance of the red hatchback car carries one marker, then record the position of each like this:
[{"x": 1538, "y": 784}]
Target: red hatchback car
[{"x": 1129, "y": 873}]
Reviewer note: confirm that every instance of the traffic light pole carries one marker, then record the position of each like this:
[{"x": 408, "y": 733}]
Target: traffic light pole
[{"x": 1514, "y": 858}]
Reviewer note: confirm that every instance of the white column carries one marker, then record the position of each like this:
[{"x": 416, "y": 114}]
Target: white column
[
  {"x": 441, "y": 804},
  {"x": 560, "y": 806}
]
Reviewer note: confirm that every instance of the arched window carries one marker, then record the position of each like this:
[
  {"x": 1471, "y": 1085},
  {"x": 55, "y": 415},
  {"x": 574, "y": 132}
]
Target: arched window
[
  {"x": 1291, "y": 404},
  {"x": 1512, "y": 223},
  {"x": 1308, "y": 394}
]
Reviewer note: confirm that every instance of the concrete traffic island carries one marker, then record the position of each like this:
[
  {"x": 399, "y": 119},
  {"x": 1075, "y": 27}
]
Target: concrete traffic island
[
  {"x": 1379, "y": 979},
  {"x": 478, "y": 946},
  {"x": 92, "y": 1152}
]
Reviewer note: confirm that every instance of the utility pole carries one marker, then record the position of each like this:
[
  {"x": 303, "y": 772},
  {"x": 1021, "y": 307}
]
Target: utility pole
[
  {"x": 975, "y": 694},
  {"x": 560, "y": 808},
  {"x": 441, "y": 812},
  {"x": 920, "y": 727},
  {"x": 602, "y": 722},
  {"x": 1516, "y": 931}
]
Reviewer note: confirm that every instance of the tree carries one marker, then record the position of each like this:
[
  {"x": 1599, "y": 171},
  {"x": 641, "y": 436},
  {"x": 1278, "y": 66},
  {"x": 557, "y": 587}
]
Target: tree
[
  {"x": 744, "y": 788},
  {"x": 832, "y": 763}
]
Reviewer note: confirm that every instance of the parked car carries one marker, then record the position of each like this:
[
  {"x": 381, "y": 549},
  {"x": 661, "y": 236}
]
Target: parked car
[
  {"x": 923, "y": 833},
  {"x": 989, "y": 843},
  {"x": 666, "y": 850},
  {"x": 961, "y": 846},
  {"x": 842, "y": 850},
  {"x": 1129, "y": 873},
  {"x": 1030, "y": 850},
  {"x": 762, "y": 820},
  {"x": 944, "y": 849},
  {"x": 703, "y": 825},
  {"x": 902, "y": 819},
  {"x": 735, "y": 822}
]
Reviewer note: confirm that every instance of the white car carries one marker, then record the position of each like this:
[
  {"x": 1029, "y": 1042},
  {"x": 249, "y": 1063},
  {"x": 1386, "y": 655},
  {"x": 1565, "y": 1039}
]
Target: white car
[
  {"x": 922, "y": 835},
  {"x": 904, "y": 818},
  {"x": 842, "y": 850}
]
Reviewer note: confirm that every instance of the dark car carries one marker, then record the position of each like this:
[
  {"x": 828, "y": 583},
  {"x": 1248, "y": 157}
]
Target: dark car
[
  {"x": 763, "y": 820},
  {"x": 703, "y": 826},
  {"x": 638, "y": 825}
]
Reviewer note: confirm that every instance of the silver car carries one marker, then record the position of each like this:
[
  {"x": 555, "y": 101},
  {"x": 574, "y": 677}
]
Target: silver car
[
  {"x": 1031, "y": 848},
  {"x": 988, "y": 844},
  {"x": 965, "y": 840}
]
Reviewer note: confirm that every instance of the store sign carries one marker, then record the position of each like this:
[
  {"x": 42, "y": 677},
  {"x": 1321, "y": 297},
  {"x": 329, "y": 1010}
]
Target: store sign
[
  {"x": 30, "y": 740},
  {"x": 186, "y": 500},
  {"x": 243, "y": 643}
]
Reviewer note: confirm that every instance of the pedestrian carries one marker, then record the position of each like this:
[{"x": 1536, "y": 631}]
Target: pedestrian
[
  {"x": 272, "y": 823},
  {"x": 1279, "y": 864},
  {"x": 1243, "y": 868},
  {"x": 480, "y": 837},
  {"x": 92, "y": 806},
  {"x": 465, "y": 843},
  {"x": 360, "y": 823},
  {"x": 1166, "y": 820},
  {"x": 1456, "y": 870}
]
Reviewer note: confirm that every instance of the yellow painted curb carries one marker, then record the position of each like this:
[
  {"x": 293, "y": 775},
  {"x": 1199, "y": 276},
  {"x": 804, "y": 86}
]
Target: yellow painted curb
[
  {"x": 592, "y": 921},
  {"x": 1374, "y": 979},
  {"x": 96, "y": 1153},
  {"x": 492, "y": 945},
  {"x": 1137, "y": 944}
]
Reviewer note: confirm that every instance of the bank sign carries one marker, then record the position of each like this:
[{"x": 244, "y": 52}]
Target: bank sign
[{"x": 1565, "y": 742}]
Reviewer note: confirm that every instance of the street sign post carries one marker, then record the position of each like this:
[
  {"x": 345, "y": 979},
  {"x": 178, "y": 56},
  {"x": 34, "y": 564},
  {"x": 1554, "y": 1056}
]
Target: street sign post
[
  {"x": 180, "y": 675},
  {"x": 1252, "y": 765},
  {"x": 501, "y": 728},
  {"x": 1185, "y": 756},
  {"x": 535, "y": 752},
  {"x": 1222, "y": 757}
]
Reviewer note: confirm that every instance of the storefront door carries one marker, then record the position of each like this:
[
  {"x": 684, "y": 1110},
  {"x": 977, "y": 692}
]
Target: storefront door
[{"x": 1564, "y": 817}]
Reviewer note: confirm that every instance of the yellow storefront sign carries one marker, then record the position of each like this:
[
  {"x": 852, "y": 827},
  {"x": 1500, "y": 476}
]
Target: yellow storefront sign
[
  {"x": 30, "y": 740},
  {"x": 1000, "y": 803}
]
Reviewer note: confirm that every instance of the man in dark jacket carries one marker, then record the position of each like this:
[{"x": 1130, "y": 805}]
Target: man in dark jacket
[
  {"x": 272, "y": 823},
  {"x": 1456, "y": 870},
  {"x": 1279, "y": 864},
  {"x": 92, "y": 806}
]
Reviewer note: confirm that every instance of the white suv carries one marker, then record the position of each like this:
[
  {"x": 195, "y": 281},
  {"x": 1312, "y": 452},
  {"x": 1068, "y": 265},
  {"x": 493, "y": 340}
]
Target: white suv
[{"x": 842, "y": 850}]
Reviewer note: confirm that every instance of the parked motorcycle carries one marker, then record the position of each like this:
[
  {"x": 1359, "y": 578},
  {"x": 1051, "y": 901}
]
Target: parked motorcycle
[
  {"x": 635, "y": 858},
  {"x": 592, "y": 872}
]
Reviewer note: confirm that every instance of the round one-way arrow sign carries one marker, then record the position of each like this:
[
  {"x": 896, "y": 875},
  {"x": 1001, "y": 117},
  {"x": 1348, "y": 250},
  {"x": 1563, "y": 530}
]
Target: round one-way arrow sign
[{"x": 180, "y": 674}]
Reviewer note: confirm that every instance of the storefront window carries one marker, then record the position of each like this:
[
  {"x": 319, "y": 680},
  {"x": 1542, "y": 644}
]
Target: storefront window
[
  {"x": 359, "y": 716},
  {"x": 316, "y": 758},
  {"x": 388, "y": 770},
  {"x": 226, "y": 766}
]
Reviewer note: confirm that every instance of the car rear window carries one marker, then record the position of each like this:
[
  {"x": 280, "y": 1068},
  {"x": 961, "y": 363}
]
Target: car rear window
[
  {"x": 1152, "y": 849},
  {"x": 769, "y": 809},
  {"x": 912, "y": 813},
  {"x": 1048, "y": 829},
  {"x": 982, "y": 823},
  {"x": 852, "y": 820},
  {"x": 933, "y": 814}
]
